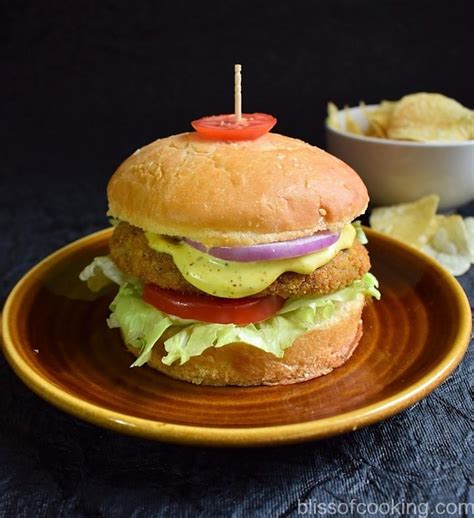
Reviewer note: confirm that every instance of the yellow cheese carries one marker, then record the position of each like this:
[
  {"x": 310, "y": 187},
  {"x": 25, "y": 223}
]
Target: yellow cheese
[{"x": 231, "y": 279}]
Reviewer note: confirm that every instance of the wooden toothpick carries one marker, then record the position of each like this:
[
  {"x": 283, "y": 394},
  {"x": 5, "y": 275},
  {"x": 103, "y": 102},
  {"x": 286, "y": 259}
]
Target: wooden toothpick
[{"x": 238, "y": 92}]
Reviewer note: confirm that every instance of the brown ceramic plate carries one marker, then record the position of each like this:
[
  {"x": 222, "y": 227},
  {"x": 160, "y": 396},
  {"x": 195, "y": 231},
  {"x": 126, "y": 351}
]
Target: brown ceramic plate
[{"x": 57, "y": 341}]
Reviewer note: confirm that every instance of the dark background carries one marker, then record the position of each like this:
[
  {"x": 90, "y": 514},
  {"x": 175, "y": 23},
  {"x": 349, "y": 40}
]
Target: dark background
[
  {"x": 86, "y": 83},
  {"x": 83, "y": 84}
]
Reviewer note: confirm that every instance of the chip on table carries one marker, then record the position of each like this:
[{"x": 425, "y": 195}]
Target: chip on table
[{"x": 447, "y": 238}]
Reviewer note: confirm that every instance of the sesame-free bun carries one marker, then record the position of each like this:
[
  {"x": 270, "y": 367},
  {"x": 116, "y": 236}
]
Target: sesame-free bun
[
  {"x": 274, "y": 188},
  {"x": 314, "y": 354}
]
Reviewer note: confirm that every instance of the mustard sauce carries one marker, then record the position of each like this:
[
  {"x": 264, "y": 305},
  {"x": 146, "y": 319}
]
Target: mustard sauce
[{"x": 232, "y": 279}]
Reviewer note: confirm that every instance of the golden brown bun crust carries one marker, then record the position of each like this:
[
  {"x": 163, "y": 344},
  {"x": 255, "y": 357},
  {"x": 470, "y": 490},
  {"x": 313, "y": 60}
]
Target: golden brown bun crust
[
  {"x": 313, "y": 354},
  {"x": 273, "y": 188}
]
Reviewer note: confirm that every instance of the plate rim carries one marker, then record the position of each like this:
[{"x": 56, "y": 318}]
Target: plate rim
[{"x": 233, "y": 436}]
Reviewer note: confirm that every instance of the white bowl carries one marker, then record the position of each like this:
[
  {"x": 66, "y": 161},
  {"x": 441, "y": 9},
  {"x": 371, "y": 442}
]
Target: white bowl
[{"x": 396, "y": 171}]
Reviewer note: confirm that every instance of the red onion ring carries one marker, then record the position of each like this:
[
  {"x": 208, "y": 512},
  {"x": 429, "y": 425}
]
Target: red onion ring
[{"x": 269, "y": 251}]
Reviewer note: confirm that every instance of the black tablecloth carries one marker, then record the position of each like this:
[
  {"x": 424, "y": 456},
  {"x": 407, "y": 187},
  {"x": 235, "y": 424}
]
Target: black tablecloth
[{"x": 52, "y": 464}]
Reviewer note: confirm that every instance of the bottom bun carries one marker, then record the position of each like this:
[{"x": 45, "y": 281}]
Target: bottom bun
[{"x": 314, "y": 354}]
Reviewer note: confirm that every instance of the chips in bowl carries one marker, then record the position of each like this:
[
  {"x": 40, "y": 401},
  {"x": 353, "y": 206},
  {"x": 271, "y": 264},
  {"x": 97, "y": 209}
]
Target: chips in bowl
[
  {"x": 419, "y": 117},
  {"x": 427, "y": 117},
  {"x": 379, "y": 119},
  {"x": 449, "y": 239}
]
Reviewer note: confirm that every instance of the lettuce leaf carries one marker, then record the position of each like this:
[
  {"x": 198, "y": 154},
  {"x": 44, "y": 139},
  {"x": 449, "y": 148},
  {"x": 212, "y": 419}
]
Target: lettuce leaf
[
  {"x": 142, "y": 324},
  {"x": 102, "y": 272},
  {"x": 360, "y": 234}
]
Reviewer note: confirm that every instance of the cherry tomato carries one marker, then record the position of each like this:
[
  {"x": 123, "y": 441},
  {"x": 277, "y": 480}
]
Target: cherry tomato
[
  {"x": 212, "y": 309},
  {"x": 225, "y": 127}
]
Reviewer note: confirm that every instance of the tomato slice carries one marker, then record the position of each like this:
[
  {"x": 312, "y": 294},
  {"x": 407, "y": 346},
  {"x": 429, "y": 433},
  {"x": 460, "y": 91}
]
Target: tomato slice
[
  {"x": 225, "y": 127},
  {"x": 212, "y": 309}
]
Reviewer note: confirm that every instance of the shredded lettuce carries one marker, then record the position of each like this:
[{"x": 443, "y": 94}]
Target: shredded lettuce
[
  {"x": 360, "y": 234},
  {"x": 142, "y": 324},
  {"x": 114, "y": 221},
  {"x": 102, "y": 272}
]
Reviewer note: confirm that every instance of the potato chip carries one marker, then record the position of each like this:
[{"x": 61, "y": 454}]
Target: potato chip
[
  {"x": 379, "y": 119},
  {"x": 409, "y": 222},
  {"x": 469, "y": 224},
  {"x": 449, "y": 239},
  {"x": 332, "y": 119},
  {"x": 469, "y": 122},
  {"x": 449, "y": 244},
  {"x": 370, "y": 132},
  {"x": 376, "y": 130},
  {"x": 351, "y": 124},
  {"x": 428, "y": 116},
  {"x": 420, "y": 117}
]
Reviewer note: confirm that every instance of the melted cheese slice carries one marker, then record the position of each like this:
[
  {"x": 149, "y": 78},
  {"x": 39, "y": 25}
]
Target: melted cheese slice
[{"x": 231, "y": 279}]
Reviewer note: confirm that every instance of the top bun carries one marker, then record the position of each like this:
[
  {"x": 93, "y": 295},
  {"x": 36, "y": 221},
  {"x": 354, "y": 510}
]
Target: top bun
[{"x": 274, "y": 188}]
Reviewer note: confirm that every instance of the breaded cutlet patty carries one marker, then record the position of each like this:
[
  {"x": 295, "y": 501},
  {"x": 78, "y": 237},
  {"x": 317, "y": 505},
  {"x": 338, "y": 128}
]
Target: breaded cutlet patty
[{"x": 130, "y": 251}]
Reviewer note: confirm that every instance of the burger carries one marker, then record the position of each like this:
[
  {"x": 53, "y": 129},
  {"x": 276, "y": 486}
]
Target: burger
[{"x": 237, "y": 260}]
